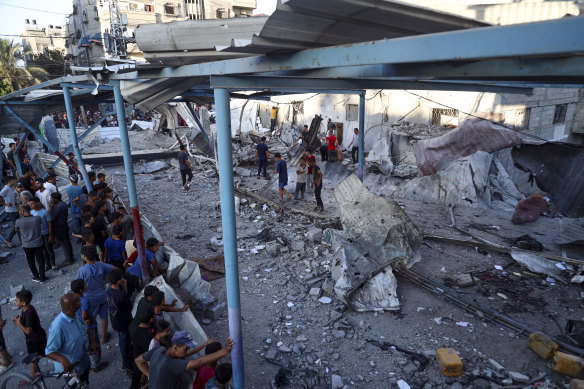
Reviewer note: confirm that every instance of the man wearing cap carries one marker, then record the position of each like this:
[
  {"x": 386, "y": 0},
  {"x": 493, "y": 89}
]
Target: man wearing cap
[
  {"x": 60, "y": 214},
  {"x": 74, "y": 191}
]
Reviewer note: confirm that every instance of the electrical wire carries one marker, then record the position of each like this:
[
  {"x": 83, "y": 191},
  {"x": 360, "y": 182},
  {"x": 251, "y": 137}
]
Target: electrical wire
[
  {"x": 35, "y": 36},
  {"x": 34, "y": 9}
]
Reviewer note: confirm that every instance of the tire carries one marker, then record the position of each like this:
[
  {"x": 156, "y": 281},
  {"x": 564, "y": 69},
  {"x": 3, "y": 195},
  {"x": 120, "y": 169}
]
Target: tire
[{"x": 11, "y": 380}]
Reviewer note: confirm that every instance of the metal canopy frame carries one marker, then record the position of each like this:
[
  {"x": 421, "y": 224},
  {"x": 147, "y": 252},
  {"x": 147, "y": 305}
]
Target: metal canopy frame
[{"x": 507, "y": 59}]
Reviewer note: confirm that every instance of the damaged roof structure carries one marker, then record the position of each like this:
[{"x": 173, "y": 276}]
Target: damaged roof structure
[{"x": 344, "y": 46}]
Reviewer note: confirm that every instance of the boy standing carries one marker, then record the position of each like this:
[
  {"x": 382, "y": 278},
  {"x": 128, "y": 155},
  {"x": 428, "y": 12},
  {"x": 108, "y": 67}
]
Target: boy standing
[
  {"x": 185, "y": 167},
  {"x": 93, "y": 273},
  {"x": 262, "y": 157},
  {"x": 317, "y": 176},
  {"x": 300, "y": 179},
  {"x": 79, "y": 288},
  {"x": 32, "y": 242},
  {"x": 223, "y": 374},
  {"x": 6, "y": 358},
  {"x": 115, "y": 248},
  {"x": 30, "y": 324},
  {"x": 120, "y": 310},
  {"x": 282, "y": 170},
  {"x": 46, "y": 232}
]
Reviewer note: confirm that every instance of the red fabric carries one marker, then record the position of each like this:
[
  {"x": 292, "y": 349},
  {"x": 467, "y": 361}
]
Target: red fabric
[
  {"x": 204, "y": 374},
  {"x": 529, "y": 209},
  {"x": 331, "y": 142},
  {"x": 313, "y": 159},
  {"x": 133, "y": 257}
]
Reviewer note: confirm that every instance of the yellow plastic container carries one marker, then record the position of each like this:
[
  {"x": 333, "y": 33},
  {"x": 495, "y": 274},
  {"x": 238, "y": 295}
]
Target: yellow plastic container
[
  {"x": 567, "y": 364},
  {"x": 449, "y": 362},
  {"x": 576, "y": 384},
  {"x": 542, "y": 345}
]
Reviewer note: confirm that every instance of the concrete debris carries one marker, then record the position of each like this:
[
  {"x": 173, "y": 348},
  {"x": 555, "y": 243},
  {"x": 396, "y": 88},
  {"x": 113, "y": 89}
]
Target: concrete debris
[
  {"x": 151, "y": 167},
  {"x": 405, "y": 171},
  {"x": 242, "y": 171},
  {"x": 380, "y": 154},
  {"x": 502, "y": 185},
  {"x": 314, "y": 292},
  {"x": 336, "y": 382},
  {"x": 528, "y": 210},
  {"x": 401, "y": 384},
  {"x": 325, "y": 300},
  {"x": 473, "y": 135},
  {"x": 464, "y": 181},
  {"x": 518, "y": 377},
  {"x": 314, "y": 234},
  {"x": 571, "y": 231},
  {"x": 297, "y": 244},
  {"x": 496, "y": 365},
  {"x": 376, "y": 220},
  {"x": 463, "y": 280},
  {"x": 538, "y": 264}
]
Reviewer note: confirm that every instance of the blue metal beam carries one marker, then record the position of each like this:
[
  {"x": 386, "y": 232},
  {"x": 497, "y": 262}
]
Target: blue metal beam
[
  {"x": 229, "y": 232},
  {"x": 74, "y": 141},
  {"x": 86, "y": 86},
  {"x": 561, "y": 37},
  {"x": 260, "y": 83},
  {"x": 42, "y": 85},
  {"x": 517, "y": 69}
]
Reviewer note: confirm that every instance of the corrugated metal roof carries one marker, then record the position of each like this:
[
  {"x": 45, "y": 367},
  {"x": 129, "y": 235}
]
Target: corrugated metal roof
[{"x": 294, "y": 25}]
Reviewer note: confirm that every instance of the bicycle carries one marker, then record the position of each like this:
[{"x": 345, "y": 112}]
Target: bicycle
[{"x": 16, "y": 380}]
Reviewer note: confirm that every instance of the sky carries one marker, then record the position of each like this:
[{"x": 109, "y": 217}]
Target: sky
[{"x": 12, "y": 18}]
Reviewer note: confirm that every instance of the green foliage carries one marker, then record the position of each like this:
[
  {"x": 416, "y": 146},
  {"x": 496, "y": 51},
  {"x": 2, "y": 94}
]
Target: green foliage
[{"x": 13, "y": 74}]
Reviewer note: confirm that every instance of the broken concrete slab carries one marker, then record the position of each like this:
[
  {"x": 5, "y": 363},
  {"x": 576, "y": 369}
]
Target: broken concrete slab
[
  {"x": 473, "y": 135},
  {"x": 502, "y": 185},
  {"x": 464, "y": 280},
  {"x": 151, "y": 167},
  {"x": 242, "y": 171},
  {"x": 464, "y": 182},
  {"x": 380, "y": 154},
  {"x": 314, "y": 234},
  {"x": 374, "y": 219}
]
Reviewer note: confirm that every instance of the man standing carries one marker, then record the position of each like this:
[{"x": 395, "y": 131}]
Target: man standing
[
  {"x": 317, "y": 184},
  {"x": 10, "y": 157},
  {"x": 331, "y": 147},
  {"x": 282, "y": 170},
  {"x": 309, "y": 157},
  {"x": 32, "y": 242},
  {"x": 355, "y": 144},
  {"x": 262, "y": 157},
  {"x": 74, "y": 191},
  {"x": 273, "y": 115},
  {"x": 71, "y": 157},
  {"x": 60, "y": 213},
  {"x": 51, "y": 183},
  {"x": 68, "y": 340},
  {"x": 43, "y": 193},
  {"x": 164, "y": 367},
  {"x": 330, "y": 126},
  {"x": 8, "y": 194},
  {"x": 46, "y": 231},
  {"x": 120, "y": 310},
  {"x": 185, "y": 167}
]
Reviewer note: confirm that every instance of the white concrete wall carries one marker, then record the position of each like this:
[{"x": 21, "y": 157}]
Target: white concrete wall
[{"x": 382, "y": 109}]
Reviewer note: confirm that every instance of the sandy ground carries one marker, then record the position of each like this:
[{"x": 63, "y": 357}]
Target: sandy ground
[{"x": 314, "y": 340}]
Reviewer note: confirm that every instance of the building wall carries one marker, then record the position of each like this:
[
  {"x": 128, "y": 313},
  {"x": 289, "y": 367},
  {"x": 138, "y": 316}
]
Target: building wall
[
  {"x": 37, "y": 38},
  {"x": 213, "y": 9}
]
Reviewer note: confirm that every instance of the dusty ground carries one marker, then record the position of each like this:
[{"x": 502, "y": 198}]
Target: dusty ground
[{"x": 318, "y": 339}]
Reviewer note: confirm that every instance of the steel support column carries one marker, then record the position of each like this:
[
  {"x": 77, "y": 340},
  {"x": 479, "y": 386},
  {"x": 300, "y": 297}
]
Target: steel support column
[
  {"x": 199, "y": 124},
  {"x": 229, "y": 232},
  {"x": 37, "y": 135},
  {"x": 74, "y": 141},
  {"x": 361, "y": 133},
  {"x": 132, "y": 194}
]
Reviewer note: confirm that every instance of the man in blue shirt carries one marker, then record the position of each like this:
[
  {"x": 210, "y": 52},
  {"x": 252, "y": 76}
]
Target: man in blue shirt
[
  {"x": 74, "y": 191},
  {"x": 282, "y": 170},
  {"x": 262, "y": 157},
  {"x": 68, "y": 340},
  {"x": 94, "y": 273}
]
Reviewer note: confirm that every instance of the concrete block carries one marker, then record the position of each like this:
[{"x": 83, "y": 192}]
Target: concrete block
[
  {"x": 192, "y": 283},
  {"x": 518, "y": 377},
  {"x": 314, "y": 292},
  {"x": 215, "y": 311},
  {"x": 271, "y": 354},
  {"x": 272, "y": 247},
  {"x": 284, "y": 250},
  {"x": 186, "y": 271},
  {"x": 175, "y": 265},
  {"x": 314, "y": 234},
  {"x": 297, "y": 244},
  {"x": 336, "y": 381}
]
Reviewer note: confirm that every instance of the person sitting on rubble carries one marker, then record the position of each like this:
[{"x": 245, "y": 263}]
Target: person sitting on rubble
[{"x": 262, "y": 155}]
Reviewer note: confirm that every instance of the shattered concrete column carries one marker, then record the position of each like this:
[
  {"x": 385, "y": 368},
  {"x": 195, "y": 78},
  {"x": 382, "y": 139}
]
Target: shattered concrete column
[
  {"x": 121, "y": 113},
  {"x": 224, "y": 150},
  {"x": 74, "y": 141},
  {"x": 361, "y": 133}
]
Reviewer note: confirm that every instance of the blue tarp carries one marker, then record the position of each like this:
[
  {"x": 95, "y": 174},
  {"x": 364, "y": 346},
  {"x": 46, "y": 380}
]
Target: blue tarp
[{"x": 83, "y": 42}]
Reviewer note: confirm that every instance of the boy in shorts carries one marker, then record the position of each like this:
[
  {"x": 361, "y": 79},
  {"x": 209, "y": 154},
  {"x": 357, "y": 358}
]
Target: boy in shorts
[{"x": 28, "y": 321}]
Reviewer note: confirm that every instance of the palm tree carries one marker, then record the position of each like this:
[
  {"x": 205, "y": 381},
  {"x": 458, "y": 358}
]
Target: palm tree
[{"x": 13, "y": 76}]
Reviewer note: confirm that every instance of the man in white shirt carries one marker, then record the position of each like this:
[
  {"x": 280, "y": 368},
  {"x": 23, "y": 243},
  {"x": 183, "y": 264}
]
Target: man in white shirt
[
  {"x": 50, "y": 183},
  {"x": 43, "y": 194},
  {"x": 9, "y": 195},
  {"x": 355, "y": 144}
]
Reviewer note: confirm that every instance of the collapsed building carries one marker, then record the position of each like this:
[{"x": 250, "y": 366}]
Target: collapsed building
[{"x": 333, "y": 281}]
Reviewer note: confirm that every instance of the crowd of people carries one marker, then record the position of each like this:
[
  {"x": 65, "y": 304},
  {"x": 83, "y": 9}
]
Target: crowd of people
[
  {"x": 102, "y": 291},
  {"x": 309, "y": 176},
  {"x": 92, "y": 116}
]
